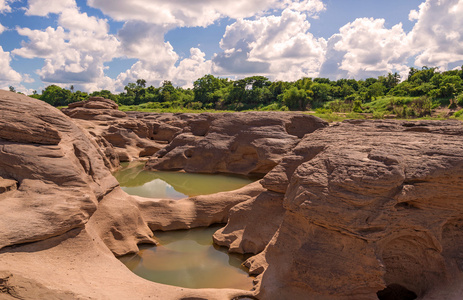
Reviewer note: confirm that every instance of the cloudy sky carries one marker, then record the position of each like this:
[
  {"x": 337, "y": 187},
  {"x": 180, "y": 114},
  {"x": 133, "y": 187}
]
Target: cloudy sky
[{"x": 101, "y": 44}]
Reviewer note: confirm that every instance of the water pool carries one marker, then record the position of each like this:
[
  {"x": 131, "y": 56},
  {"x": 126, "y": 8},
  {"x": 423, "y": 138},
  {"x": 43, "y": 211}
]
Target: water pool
[
  {"x": 185, "y": 258},
  {"x": 188, "y": 258},
  {"x": 134, "y": 180}
]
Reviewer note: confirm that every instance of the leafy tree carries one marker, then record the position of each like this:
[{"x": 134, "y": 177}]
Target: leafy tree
[
  {"x": 295, "y": 99},
  {"x": 56, "y": 96},
  {"x": 205, "y": 87}
]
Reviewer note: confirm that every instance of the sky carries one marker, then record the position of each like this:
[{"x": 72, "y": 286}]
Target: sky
[{"x": 100, "y": 44}]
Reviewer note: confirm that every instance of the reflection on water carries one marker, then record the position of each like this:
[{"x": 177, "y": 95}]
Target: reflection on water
[
  {"x": 188, "y": 258},
  {"x": 174, "y": 185}
]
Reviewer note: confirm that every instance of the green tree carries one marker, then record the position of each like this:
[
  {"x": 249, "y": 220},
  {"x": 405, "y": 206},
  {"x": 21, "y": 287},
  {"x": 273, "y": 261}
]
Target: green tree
[
  {"x": 56, "y": 96},
  {"x": 205, "y": 87},
  {"x": 295, "y": 99}
]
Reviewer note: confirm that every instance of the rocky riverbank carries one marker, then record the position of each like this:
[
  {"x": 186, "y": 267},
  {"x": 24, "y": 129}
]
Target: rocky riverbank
[{"x": 343, "y": 212}]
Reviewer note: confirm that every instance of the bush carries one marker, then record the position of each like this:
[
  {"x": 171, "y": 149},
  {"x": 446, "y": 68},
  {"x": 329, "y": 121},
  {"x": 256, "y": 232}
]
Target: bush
[
  {"x": 274, "y": 107},
  {"x": 340, "y": 106},
  {"x": 323, "y": 110},
  {"x": 459, "y": 99},
  {"x": 458, "y": 113},
  {"x": 357, "y": 107}
]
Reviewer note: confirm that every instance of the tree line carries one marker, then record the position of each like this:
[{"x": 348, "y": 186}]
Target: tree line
[{"x": 258, "y": 92}]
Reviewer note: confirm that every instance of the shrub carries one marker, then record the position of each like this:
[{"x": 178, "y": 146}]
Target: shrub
[
  {"x": 459, "y": 99},
  {"x": 458, "y": 113}
]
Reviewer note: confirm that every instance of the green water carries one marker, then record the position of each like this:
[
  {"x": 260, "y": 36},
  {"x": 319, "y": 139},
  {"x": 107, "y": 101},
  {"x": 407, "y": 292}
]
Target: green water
[
  {"x": 188, "y": 258},
  {"x": 174, "y": 185}
]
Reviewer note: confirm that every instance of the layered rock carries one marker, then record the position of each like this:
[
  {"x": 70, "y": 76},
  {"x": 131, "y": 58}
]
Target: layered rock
[
  {"x": 242, "y": 233},
  {"x": 62, "y": 210},
  {"x": 358, "y": 210},
  {"x": 369, "y": 205},
  {"x": 120, "y": 138},
  {"x": 239, "y": 143},
  {"x": 58, "y": 173}
]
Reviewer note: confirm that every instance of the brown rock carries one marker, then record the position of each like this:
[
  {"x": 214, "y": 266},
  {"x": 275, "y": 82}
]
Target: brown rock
[
  {"x": 119, "y": 223},
  {"x": 67, "y": 214},
  {"x": 367, "y": 206},
  {"x": 241, "y": 234},
  {"x": 7, "y": 185},
  {"x": 196, "y": 211},
  {"x": 240, "y": 143},
  {"x": 83, "y": 268},
  {"x": 59, "y": 186},
  {"x": 119, "y": 137}
]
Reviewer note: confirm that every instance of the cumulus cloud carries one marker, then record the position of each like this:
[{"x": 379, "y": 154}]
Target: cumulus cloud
[
  {"x": 4, "y": 7},
  {"x": 183, "y": 75},
  {"x": 75, "y": 51},
  {"x": 191, "y": 68},
  {"x": 196, "y": 13},
  {"x": 437, "y": 37},
  {"x": 8, "y": 76},
  {"x": 311, "y": 7},
  {"x": 146, "y": 42},
  {"x": 46, "y": 7},
  {"x": 365, "y": 47},
  {"x": 279, "y": 46}
]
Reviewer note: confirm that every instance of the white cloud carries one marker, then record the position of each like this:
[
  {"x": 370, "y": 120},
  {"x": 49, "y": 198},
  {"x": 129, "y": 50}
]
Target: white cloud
[
  {"x": 146, "y": 42},
  {"x": 311, "y": 7},
  {"x": 437, "y": 36},
  {"x": 277, "y": 46},
  {"x": 2, "y": 28},
  {"x": 370, "y": 49},
  {"x": 183, "y": 75},
  {"x": 413, "y": 15},
  {"x": 75, "y": 51},
  {"x": 192, "y": 68},
  {"x": 46, "y": 7},
  {"x": 196, "y": 13},
  {"x": 4, "y": 7},
  {"x": 8, "y": 76}
]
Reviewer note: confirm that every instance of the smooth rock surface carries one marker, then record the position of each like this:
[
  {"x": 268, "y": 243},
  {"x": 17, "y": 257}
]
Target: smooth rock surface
[
  {"x": 252, "y": 224},
  {"x": 59, "y": 173}
]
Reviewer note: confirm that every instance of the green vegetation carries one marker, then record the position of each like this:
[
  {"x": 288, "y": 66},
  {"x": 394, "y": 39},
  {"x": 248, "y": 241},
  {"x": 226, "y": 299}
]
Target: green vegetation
[{"x": 418, "y": 96}]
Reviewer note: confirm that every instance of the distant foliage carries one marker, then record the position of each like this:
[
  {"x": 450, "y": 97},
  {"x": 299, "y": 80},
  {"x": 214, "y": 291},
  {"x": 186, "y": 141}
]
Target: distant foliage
[{"x": 416, "y": 96}]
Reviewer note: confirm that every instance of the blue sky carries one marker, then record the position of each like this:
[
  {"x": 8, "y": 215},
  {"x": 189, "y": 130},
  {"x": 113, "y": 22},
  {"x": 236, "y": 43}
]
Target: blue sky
[{"x": 100, "y": 44}]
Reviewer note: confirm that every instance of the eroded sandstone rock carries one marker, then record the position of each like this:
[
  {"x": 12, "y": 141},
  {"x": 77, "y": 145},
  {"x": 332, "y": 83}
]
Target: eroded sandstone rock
[
  {"x": 345, "y": 211},
  {"x": 368, "y": 205},
  {"x": 60, "y": 175},
  {"x": 239, "y": 143},
  {"x": 68, "y": 214},
  {"x": 7, "y": 185},
  {"x": 244, "y": 233},
  {"x": 119, "y": 137}
]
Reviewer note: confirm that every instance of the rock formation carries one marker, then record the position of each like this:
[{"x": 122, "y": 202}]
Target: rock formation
[
  {"x": 62, "y": 210},
  {"x": 368, "y": 205},
  {"x": 356, "y": 210},
  {"x": 121, "y": 138},
  {"x": 238, "y": 143}
]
